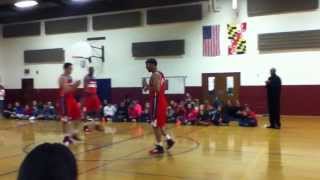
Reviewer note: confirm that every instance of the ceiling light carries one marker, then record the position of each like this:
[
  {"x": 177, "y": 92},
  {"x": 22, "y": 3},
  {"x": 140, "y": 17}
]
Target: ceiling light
[
  {"x": 80, "y": 1},
  {"x": 26, "y": 3},
  {"x": 234, "y": 4}
]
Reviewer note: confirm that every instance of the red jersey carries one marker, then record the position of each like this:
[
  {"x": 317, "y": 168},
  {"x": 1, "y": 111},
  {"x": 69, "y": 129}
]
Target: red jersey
[
  {"x": 90, "y": 84},
  {"x": 67, "y": 79},
  {"x": 158, "y": 102}
]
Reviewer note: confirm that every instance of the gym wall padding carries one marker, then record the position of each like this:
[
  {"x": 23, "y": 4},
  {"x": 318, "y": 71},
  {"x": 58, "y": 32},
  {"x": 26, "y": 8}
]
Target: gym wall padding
[
  {"x": 21, "y": 30},
  {"x": 158, "y": 48},
  {"x": 66, "y": 26},
  {"x": 116, "y": 21},
  {"x": 174, "y": 14},
  {"x": 267, "y": 7},
  {"x": 44, "y": 56},
  {"x": 289, "y": 40}
]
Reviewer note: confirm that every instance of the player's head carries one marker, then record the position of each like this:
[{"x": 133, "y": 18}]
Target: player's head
[
  {"x": 151, "y": 64},
  {"x": 50, "y": 162},
  {"x": 67, "y": 67},
  {"x": 91, "y": 70}
]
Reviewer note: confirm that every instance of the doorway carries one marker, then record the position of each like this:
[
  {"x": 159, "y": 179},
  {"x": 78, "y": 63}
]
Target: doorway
[
  {"x": 27, "y": 90},
  {"x": 225, "y": 86}
]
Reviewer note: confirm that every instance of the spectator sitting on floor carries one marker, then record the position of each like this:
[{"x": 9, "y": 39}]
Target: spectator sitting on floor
[
  {"x": 134, "y": 111},
  {"x": 204, "y": 116},
  {"x": 228, "y": 111},
  {"x": 192, "y": 114},
  {"x": 249, "y": 118},
  {"x": 238, "y": 110},
  {"x": 181, "y": 111},
  {"x": 217, "y": 119},
  {"x": 217, "y": 102},
  {"x": 232, "y": 112},
  {"x": 171, "y": 114},
  {"x": 17, "y": 111},
  {"x": 27, "y": 112},
  {"x": 145, "y": 116},
  {"x": 40, "y": 111},
  {"x": 122, "y": 112},
  {"x": 8, "y": 111},
  {"x": 49, "y": 111},
  {"x": 109, "y": 111},
  {"x": 196, "y": 102},
  {"x": 34, "y": 108},
  {"x": 188, "y": 98}
]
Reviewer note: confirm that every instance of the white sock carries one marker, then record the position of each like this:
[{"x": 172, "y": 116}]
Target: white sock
[
  {"x": 168, "y": 136},
  {"x": 159, "y": 144}
]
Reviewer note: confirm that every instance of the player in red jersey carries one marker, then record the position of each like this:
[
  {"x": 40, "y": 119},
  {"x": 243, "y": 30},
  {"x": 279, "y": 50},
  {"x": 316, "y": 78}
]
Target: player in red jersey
[
  {"x": 70, "y": 109},
  {"x": 158, "y": 102},
  {"x": 91, "y": 103}
]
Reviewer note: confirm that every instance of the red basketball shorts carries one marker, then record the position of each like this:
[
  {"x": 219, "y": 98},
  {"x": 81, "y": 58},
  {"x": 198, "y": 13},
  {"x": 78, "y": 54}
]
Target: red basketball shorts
[
  {"x": 69, "y": 108},
  {"x": 92, "y": 103}
]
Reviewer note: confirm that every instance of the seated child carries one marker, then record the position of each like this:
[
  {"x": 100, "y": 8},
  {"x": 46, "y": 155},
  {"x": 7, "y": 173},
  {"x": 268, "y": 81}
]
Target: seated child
[
  {"x": 122, "y": 112},
  {"x": 8, "y": 111},
  {"x": 191, "y": 114},
  {"x": 27, "y": 112},
  {"x": 134, "y": 111},
  {"x": 145, "y": 116},
  {"x": 109, "y": 111},
  {"x": 49, "y": 111},
  {"x": 249, "y": 118},
  {"x": 17, "y": 111},
  {"x": 217, "y": 119}
]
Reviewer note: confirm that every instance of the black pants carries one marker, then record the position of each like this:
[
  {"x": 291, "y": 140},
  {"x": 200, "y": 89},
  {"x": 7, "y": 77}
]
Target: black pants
[{"x": 274, "y": 110}]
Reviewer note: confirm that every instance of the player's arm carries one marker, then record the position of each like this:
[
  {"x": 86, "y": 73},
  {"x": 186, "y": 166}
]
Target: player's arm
[
  {"x": 145, "y": 85},
  {"x": 67, "y": 87}
]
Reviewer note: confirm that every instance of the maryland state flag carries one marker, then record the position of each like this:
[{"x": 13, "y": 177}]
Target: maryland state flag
[{"x": 236, "y": 35}]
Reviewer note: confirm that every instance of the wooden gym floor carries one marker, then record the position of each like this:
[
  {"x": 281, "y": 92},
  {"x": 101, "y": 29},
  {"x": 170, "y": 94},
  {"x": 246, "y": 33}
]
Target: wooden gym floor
[{"x": 212, "y": 153}]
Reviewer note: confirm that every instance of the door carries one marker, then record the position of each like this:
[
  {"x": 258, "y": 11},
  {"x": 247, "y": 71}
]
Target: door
[
  {"x": 27, "y": 88},
  {"x": 224, "y": 86}
]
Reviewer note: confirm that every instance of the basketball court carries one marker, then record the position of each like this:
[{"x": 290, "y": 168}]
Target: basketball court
[{"x": 226, "y": 153}]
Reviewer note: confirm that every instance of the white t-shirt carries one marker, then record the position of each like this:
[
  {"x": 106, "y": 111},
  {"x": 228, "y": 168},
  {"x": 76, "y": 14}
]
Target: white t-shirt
[
  {"x": 2, "y": 94},
  {"x": 109, "y": 110}
]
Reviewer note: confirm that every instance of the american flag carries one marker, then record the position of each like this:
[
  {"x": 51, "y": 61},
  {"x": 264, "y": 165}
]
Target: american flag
[{"x": 211, "y": 40}]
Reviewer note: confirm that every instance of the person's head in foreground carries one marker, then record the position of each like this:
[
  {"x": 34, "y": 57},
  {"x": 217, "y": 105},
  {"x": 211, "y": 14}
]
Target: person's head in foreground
[{"x": 49, "y": 162}]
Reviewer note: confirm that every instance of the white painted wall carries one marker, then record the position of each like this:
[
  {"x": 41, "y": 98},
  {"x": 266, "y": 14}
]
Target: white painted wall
[{"x": 295, "y": 68}]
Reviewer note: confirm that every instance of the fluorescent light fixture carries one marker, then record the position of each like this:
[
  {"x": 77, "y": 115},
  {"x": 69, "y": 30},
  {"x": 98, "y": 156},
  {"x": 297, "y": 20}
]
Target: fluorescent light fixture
[
  {"x": 234, "y": 4},
  {"x": 80, "y": 1},
  {"x": 26, "y": 3}
]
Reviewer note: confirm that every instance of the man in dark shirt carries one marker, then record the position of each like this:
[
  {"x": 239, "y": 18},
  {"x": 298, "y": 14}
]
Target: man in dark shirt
[{"x": 273, "y": 86}]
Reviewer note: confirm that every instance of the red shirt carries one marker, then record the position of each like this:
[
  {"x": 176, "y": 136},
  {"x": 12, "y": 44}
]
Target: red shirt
[
  {"x": 66, "y": 80},
  {"x": 90, "y": 84}
]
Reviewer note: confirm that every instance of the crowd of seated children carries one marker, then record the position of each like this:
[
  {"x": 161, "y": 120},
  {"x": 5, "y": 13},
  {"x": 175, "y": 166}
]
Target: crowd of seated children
[
  {"x": 188, "y": 112},
  {"x": 192, "y": 112},
  {"x": 37, "y": 111}
]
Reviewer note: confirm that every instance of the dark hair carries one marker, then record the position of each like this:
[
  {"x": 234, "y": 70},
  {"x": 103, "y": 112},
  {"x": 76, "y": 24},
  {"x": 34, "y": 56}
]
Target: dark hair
[
  {"x": 152, "y": 61},
  {"x": 49, "y": 162},
  {"x": 67, "y": 65}
]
